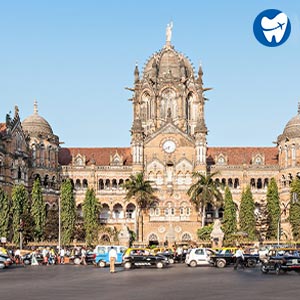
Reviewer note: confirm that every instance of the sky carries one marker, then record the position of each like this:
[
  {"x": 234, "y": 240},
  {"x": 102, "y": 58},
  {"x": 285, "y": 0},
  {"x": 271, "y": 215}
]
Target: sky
[{"x": 76, "y": 58}]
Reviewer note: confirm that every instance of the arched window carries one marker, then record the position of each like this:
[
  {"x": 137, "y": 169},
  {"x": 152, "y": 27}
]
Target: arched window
[
  {"x": 186, "y": 237},
  {"x": 259, "y": 183},
  {"x": 101, "y": 184},
  {"x": 105, "y": 213},
  {"x": 117, "y": 211},
  {"x": 266, "y": 182},
  {"x": 107, "y": 184},
  {"x": 223, "y": 181},
  {"x": 77, "y": 184},
  {"x": 121, "y": 182},
  {"x": 236, "y": 183},
  {"x": 252, "y": 182},
  {"x": 130, "y": 211},
  {"x": 85, "y": 183},
  {"x": 114, "y": 184},
  {"x": 230, "y": 183}
]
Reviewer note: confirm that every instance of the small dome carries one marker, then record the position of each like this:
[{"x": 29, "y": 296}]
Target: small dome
[
  {"x": 292, "y": 129},
  {"x": 35, "y": 124}
]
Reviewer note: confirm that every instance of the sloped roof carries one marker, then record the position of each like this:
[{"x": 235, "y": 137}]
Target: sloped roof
[
  {"x": 98, "y": 156},
  {"x": 243, "y": 155}
]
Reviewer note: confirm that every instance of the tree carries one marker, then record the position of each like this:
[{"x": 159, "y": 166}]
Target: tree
[
  {"x": 20, "y": 213},
  {"x": 51, "y": 225},
  {"x": 5, "y": 208},
  {"x": 38, "y": 210},
  {"x": 68, "y": 212},
  {"x": 229, "y": 225},
  {"x": 203, "y": 192},
  {"x": 246, "y": 215},
  {"x": 273, "y": 207},
  {"x": 204, "y": 232},
  {"x": 91, "y": 211},
  {"x": 295, "y": 208},
  {"x": 143, "y": 193}
]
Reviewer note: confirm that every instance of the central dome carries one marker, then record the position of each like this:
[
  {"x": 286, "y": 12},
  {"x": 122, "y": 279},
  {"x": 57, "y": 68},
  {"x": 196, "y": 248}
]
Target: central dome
[
  {"x": 168, "y": 62},
  {"x": 35, "y": 124}
]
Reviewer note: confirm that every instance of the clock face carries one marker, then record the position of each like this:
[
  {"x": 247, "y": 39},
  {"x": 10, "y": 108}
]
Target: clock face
[{"x": 169, "y": 146}]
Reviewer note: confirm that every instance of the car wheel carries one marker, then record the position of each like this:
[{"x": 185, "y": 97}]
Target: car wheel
[
  {"x": 264, "y": 269},
  {"x": 127, "y": 265},
  {"x": 193, "y": 264},
  {"x": 101, "y": 264},
  {"x": 221, "y": 263},
  {"x": 26, "y": 262},
  {"x": 277, "y": 269},
  {"x": 251, "y": 263},
  {"x": 159, "y": 265},
  {"x": 77, "y": 261},
  {"x": 2, "y": 266},
  {"x": 171, "y": 261}
]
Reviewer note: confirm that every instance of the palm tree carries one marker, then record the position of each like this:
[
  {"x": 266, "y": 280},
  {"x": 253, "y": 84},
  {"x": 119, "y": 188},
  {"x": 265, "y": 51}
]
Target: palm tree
[
  {"x": 143, "y": 193},
  {"x": 203, "y": 192}
]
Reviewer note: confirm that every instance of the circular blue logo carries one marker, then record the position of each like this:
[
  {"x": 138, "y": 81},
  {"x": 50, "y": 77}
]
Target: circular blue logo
[{"x": 272, "y": 27}]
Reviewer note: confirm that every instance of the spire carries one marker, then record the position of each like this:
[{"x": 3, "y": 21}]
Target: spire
[
  {"x": 299, "y": 108},
  {"x": 35, "y": 107},
  {"x": 136, "y": 73}
]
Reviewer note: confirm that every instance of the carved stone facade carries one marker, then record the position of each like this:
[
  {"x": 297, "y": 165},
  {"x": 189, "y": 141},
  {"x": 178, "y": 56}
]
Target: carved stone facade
[{"x": 168, "y": 143}]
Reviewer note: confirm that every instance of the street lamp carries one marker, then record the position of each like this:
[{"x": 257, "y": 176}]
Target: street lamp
[
  {"x": 59, "y": 225},
  {"x": 293, "y": 200}
]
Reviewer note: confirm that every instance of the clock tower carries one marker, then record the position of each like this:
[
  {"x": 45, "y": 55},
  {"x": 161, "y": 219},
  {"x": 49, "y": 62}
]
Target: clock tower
[{"x": 169, "y": 134}]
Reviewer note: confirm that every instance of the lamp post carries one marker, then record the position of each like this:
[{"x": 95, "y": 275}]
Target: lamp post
[
  {"x": 59, "y": 225},
  {"x": 293, "y": 200}
]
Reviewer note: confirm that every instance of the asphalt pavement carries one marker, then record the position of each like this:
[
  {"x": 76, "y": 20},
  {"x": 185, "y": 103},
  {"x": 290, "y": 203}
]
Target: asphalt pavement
[{"x": 64, "y": 282}]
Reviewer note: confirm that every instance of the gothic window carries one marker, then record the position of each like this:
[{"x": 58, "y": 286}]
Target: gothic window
[
  {"x": 293, "y": 152},
  {"x": 236, "y": 183},
  {"x": 130, "y": 210},
  {"x": 46, "y": 181},
  {"x": 19, "y": 173},
  {"x": 153, "y": 237},
  {"x": 259, "y": 183},
  {"x": 114, "y": 184},
  {"x": 188, "y": 211},
  {"x": 252, "y": 182},
  {"x": 107, "y": 184},
  {"x": 186, "y": 237},
  {"x": 121, "y": 182},
  {"x": 223, "y": 181},
  {"x": 118, "y": 211},
  {"x": 34, "y": 155},
  {"x": 101, "y": 184},
  {"x": 230, "y": 183},
  {"x": 157, "y": 211},
  {"x": 84, "y": 183},
  {"x": 104, "y": 215},
  {"x": 77, "y": 184},
  {"x": 78, "y": 161},
  {"x": 266, "y": 182},
  {"x": 42, "y": 155}
]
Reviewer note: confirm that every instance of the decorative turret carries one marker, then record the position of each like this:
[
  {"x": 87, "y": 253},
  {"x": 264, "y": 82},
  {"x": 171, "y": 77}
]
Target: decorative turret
[{"x": 136, "y": 74}]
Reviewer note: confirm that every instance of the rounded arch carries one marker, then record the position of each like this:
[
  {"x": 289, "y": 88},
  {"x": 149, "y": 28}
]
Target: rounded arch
[
  {"x": 130, "y": 211},
  {"x": 104, "y": 238},
  {"x": 118, "y": 212}
]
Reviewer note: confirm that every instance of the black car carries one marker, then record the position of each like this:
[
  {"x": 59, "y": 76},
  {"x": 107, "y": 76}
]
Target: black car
[
  {"x": 223, "y": 260},
  {"x": 135, "y": 261},
  {"x": 90, "y": 258},
  {"x": 27, "y": 258},
  {"x": 281, "y": 261},
  {"x": 5, "y": 261}
]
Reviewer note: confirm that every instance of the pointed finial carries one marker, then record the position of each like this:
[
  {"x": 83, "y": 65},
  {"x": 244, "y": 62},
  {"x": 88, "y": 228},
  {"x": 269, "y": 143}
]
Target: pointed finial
[
  {"x": 299, "y": 108},
  {"x": 35, "y": 107},
  {"x": 136, "y": 73}
]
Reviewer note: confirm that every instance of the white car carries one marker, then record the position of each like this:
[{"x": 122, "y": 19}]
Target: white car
[{"x": 199, "y": 256}]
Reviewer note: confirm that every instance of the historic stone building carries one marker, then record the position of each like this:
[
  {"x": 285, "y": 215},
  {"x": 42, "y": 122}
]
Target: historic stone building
[{"x": 168, "y": 143}]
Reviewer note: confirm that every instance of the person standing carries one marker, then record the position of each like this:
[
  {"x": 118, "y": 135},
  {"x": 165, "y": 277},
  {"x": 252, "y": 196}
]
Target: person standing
[
  {"x": 239, "y": 255},
  {"x": 83, "y": 256},
  {"x": 112, "y": 259}
]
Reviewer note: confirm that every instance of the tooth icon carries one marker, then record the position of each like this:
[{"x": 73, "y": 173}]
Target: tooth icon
[{"x": 274, "y": 27}]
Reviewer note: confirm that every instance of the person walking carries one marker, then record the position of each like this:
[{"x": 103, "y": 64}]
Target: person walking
[
  {"x": 112, "y": 259},
  {"x": 239, "y": 255}
]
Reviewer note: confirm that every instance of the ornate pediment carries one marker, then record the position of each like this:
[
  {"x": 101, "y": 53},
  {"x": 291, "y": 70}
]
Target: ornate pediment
[
  {"x": 155, "y": 165},
  {"x": 258, "y": 159},
  {"x": 221, "y": 159},
  {"x": 184, "y": 165},
  {"x": 116, "y": 159},
  {"x": 79, "y": 160}
]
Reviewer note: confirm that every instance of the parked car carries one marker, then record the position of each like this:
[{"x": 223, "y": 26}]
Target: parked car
[
  {"x": 27, "y": 258},
  {"x": 226, "y": 257},
  {"x": 281, "y": 260},
  {"x": 199, "y": 256},
  {"x": 146, "y": 260},
  {"x": 90, "y": 258},
  {"x": 166, "y": 252},
  {"x": 102, "y": 255},
  {"x": 5, "y": 261}
]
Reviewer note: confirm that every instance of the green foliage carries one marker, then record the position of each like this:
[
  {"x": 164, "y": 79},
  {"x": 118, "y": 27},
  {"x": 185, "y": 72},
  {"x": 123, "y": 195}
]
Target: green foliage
[
  {"x": 204, "y": 232},
  {"x": 203, "y": 192},
  {"x": 5, "y": 208},
  {"x": 38, "y": 210},
  {"x": 143, "y": 193},
  {"x": 51, "y": 225},
  {"x": 273, "y": 207},
  {"x": 91, "y": 211},
  {"x": 20, "y": 213},
  {"x": 246, "y": 215},
  {"x": 295, "y": 208},
  {"x": 68, "y": 212},
  {"x": 229, "y": 225}
]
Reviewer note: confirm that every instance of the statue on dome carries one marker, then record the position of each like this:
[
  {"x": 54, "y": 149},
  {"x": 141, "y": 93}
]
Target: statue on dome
[{"x": 169, "y": 32}]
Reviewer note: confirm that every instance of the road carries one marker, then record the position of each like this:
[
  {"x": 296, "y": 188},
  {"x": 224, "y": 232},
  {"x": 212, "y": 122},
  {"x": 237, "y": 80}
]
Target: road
[{"x": 64, "y": 282}]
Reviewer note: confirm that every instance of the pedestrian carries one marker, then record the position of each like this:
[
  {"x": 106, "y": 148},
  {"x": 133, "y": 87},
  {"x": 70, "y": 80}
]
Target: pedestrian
[
  {"x": 62, "y": 256},
  {"x": 112, "y": 259},
  {"x": 83, "y": 256},
  {"x": 239, "y": 255}
]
